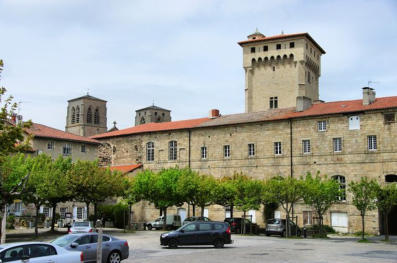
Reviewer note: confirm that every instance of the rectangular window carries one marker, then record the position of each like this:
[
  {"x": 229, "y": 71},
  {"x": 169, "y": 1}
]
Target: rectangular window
[
  {"x": 277, "y": 148},
  {"x": 50, "y": 146},
  {"x": 63, "y": 211},
  {"x": 273, "y": 103},
  {"x": 291, "y": 44},
  {"x": 67, "y": 149},
  {"x": 251, "y": 149},
  {"x": 337, "y": 143},
  {"x": 173, "y": 150},
  {"x": 307, "y": 218},
  {"x": 372, "y": 144},
  {"x": 252, "y": 50},
  {"x": 79, "y": 212},
  {"x": 83, "y": 148},
  {"x": 150, "y": 151},
  {"x": 306, "y": 146},
  {"x": 226, "y": 151},
  {"x": 46, "y": 211},
  {"x": 322, "y": 125},
  {"x": 278, "y": 46},
  {"x": 265, "y": 48},
  {"x": 203, "y": 152},
  {"x": 354, "y": 123},
  {"x": 308, "y": 77},
  {"x": 18, "y": 207},
  {"x": 389, "y": 118}
]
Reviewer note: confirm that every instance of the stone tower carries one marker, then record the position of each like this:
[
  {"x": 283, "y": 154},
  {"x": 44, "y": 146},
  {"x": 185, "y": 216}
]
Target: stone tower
[
  {"x": 279, "y": 69},
  {"x": 152, "y": 114},
  {"x": 86, "y": 116}
]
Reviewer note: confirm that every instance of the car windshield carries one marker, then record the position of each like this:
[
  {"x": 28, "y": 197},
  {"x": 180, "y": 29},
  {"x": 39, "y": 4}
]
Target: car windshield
[
  {"x": 273, "y": 221},
  {"x": 81, "y": 224},
  {"x": 64, "y": 240}
]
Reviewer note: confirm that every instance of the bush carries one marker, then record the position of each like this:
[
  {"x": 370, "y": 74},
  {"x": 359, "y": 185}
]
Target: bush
[
  {"x": 10, "y": 222},
  {"x": 114, "y": 213}
]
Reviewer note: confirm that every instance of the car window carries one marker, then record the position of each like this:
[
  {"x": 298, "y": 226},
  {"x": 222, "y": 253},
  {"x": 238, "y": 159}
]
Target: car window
[
  {"x": 64, "y": 240},
  {"x": 105, "y": 238},
  {"x": 94, "y": 238},
  {"x": 12, "y": 254},
  {"x": 41, "y": 250},
  {"x": 218, "y": 226},
  {"x": 83, "y": 240},
  {"x": 206, "y": 219},
  {"x": 205, "y": 227},
  {"x": 190, "y": 228},
  {"x": 81, "y": 224}
]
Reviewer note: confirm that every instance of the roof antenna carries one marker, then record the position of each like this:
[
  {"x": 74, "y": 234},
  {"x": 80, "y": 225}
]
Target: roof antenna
[
  {"x": 282, "y": 32},
  {"x": 153, "y": 102},
  {"x": 88, "y": 92},
  {"x": 372, "y": 82}
]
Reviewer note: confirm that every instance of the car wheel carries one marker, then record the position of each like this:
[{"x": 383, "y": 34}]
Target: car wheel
[
  {"x": 219, "y": 243},
  {"x": 267, "y": 234},
  {"x": 114, "y": 257},
  {"x": 149, "y": 227},
  {"x": 173, "y": 243}
]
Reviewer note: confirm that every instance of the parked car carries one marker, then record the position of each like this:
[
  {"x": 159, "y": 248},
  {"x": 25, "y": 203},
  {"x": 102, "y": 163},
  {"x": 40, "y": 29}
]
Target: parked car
[
  {"x": 113, "y": 249},
  {"x": 198, "y": 233},
  {"x": 81, "y": 227},
  {"x": 172, "y": 222},
  {"x": 195, "y": 218},
  {"x": 38, "y": 252},
  {"x": 236, "y": 224},
  {"x": 277, "y": 226}
]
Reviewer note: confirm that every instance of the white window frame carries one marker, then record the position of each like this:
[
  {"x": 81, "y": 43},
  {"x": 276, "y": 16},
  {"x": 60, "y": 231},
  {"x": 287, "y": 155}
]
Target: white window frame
[
  {"x": 342, "y": 186},
  {"x": 150, "y": 151},
  {"x": 372, "y": 143},
  {"x": 67, "y": 149},
  {"x": 83, "y": 148},
  {"x": 354, "y": 122},
  {"x": 322, "y": 126},
  {"x": 251, "y": 150},
  {"x": 81, "y": 213},
  {"x": 337, "y": 144},
  {"x": 306, "y": 147},
  {"x": 309, "y": 218},
  {"x": 63, "y": 211},
  {"x": 278, "y": 148},
  {"x": 226, "y": 151},
  {"x": 172, "y": 150},
  {"x": 50, "y": 145},
  {"x": 203, "y": 152}
]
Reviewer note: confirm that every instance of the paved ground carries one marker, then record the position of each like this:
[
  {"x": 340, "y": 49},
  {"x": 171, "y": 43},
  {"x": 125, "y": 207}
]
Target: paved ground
[{"x": 145, "y": 248}]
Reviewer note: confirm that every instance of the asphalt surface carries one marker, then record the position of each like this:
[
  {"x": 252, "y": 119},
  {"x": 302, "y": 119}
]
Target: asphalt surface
[{"x": 145, "y": 247}]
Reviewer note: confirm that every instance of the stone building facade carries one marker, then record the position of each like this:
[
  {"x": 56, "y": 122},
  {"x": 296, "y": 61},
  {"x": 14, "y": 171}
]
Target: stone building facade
[
  {"x": 152, "y": 114},
  {"x": 343, "y": 139}
]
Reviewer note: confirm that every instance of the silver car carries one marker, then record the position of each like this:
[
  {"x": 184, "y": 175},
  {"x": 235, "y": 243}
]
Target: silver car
[
  {"x": 113, "y": 250},
  {"x": 38, "y": 252},
  {"x": 81, "y": 227}
]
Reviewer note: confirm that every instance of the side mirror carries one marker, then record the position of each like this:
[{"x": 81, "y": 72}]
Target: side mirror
[
  {"x": 74, "y": 245},
  {"x": 182, "y": 231}
]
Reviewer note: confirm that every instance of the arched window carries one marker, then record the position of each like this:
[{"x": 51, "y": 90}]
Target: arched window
[
  {"x": 172, "y": 150},
  {"x": 96, "y": 116},
  {"x": 73, "y": 115},
  {"x": 272, "y": 58},
  {"x": 89, "y": 115},
  {"x": 150, "y": 151},
  {"x": 278, "y": 57},
  {"x": 285, "y": 57},
  {"x": 342, "y": 186},
  {"x": 391, "y": 178},
  {"x": 259, "y": 60},
  {"x": 266, "y": 59},
  {"x": 142, "y": 120},
  {"x": 253, "y": 61},
  {"x": 291, "y": 56},
  {"x": 77, "y": 114}
]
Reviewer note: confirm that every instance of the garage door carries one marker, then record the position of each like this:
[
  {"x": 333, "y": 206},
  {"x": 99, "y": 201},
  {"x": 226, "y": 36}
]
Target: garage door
[{"x": 339, "y": 222}]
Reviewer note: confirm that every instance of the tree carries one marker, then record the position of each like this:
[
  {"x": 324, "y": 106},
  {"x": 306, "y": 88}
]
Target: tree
[
  {"x": 320, "y": 193},
  {"x": 248, "y": 195},
  {"x": 284, "y": 191},
  {"x": 386, "y": 198},
  {"x": 225, "y": 192},
  {"x": 188, "y": 184},
  {"x": 205, "y": 192},
  {"x": 364, "y": 198},
  {"x": 11, "y": 140}
]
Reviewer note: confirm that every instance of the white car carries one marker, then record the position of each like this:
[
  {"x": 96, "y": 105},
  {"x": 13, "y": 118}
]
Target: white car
[
  {"x": 81, "y": 227},
  {"x": 29, "y": 252}
]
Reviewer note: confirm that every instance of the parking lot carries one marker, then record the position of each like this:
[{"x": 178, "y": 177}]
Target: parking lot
[{"x": 145, "y": 247}]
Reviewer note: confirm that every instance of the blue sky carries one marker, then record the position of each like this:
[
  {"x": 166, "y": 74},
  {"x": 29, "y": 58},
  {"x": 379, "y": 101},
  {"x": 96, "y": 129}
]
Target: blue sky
[{"x": 181, "y": 54}]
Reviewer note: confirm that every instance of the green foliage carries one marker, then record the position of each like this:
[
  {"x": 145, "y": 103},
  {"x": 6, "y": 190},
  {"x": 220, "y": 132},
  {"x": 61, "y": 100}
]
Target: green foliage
[
  {"x": 386, "y": 198},
  {"x": 225, "y": 191},
  {"x": 105, "y": 212},
  {"x": 325, "y": 228},
  {"x": 118, "y": 214},
  {"x": 10, "y": 222},
  {"x": 164, "y": 193},
  {"x": 248, "y": 193}
]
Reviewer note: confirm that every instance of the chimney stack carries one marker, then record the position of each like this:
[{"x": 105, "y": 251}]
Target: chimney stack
[
  {"x": 369, "y": 95},
  {"x": 303, "y": 103},
  {"x": 214, "y": 113}
]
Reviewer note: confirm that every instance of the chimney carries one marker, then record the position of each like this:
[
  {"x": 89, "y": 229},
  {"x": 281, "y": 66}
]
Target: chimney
[
  {"x": 369, "y": 95},
  {"x": 214, "y": 113},
  {"x": 303, "y": 103}
]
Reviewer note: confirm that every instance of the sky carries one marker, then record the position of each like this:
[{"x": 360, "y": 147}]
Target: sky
[{"x": 181, "y": 55}]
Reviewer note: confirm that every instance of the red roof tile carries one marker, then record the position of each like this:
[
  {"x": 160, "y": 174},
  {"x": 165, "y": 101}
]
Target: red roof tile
[
  {"x": 283, "y": 36},
  {"x": 43, "y": 131},
  {"x": 125, "y": 168},
  {"x": 153, "y": 127}
]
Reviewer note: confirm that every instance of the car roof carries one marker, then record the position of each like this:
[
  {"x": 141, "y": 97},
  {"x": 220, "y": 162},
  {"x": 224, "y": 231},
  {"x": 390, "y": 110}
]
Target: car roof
[{"x": 8, "y": 245}]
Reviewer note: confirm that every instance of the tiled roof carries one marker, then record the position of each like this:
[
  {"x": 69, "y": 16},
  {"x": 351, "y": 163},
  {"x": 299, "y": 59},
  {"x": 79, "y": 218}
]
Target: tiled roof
[
  {"x": 125, "y": 168},
  {"x": 320, "y": 109},
  {"x": 282, "y": 36},
  {"x": 153, "y": 127},
  {"x": 43, "y": 131}
]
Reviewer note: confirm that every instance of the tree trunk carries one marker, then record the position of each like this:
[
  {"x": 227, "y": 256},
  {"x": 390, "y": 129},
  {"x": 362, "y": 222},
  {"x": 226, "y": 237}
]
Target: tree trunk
[
  {"x": 386, "y": 222},
  {"x": 363, "y": 225},
  {"x": 36, "y": 221},
  {"x": 287, "y": 228},
  {"x": 202, "y": 210},
  {"x": 165, "y": 219},
  {"x": 88, "y": 209},
  {"x": 129, "y": 216},
  {"x": 3, "y": 225},
  {"x": 161, "y": 211},
  {"x": 95, "y": 211},
  {"x": 231, "y": 210},
  {"x": 54, "y": 206},
  {"x": 243, "y": 223},
  {"x": 194, "y": 210}
]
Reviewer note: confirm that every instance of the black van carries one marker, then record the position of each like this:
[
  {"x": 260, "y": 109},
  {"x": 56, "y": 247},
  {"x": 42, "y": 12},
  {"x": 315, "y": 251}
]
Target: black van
[{"x": 198, "y": 233}]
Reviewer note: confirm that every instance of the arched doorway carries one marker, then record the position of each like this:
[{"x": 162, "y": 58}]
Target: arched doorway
[{"x": 392, "y": 218}]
